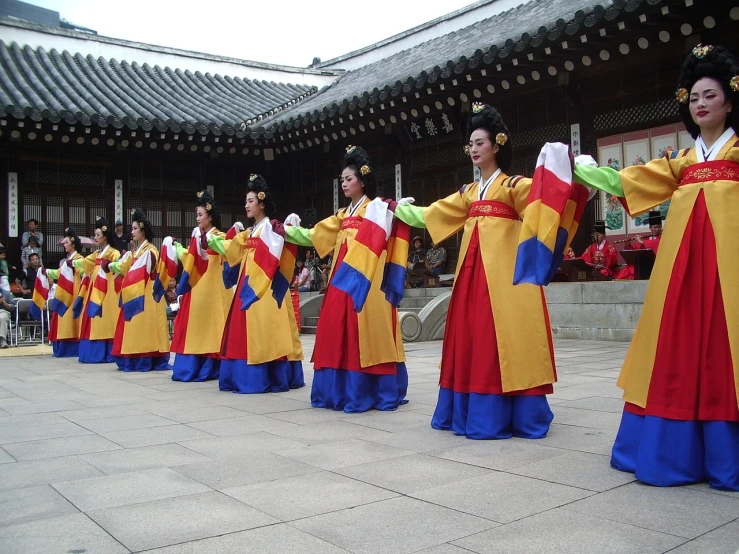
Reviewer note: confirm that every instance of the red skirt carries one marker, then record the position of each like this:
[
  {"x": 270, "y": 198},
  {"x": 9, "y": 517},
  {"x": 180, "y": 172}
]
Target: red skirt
[
  {"x": 470, "y": 360},
  {"x": 693, "y": 375},
  {"x": 337, "y": 335}
]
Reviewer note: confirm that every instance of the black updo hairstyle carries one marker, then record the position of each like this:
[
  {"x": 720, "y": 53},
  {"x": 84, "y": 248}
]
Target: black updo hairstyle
[
  {"x": 139, "y": 217},
  {"x": 71, "y": 234},
  {"x": 715, "y": 62},
  {"x": 487, "y": 118},
  {"x": 104, "y": 226},
  {"x": 357, "y": 158},
  {"x": 256, "y": 185},
  {"x": 206, "y": 199}
]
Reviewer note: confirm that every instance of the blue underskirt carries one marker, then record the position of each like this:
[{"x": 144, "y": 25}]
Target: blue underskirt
[
  {"x": 356, "y": 392},
  {"x": 276, "y": 376},
  {"x": 191, "y": 367},
  {"x": 667, "y": 452},
  {"x": 96, "y": 351},
  {"x": 148, "y": 363},
  {"x": 492, "y": 416},
  {"x": 65, "y": 348}
]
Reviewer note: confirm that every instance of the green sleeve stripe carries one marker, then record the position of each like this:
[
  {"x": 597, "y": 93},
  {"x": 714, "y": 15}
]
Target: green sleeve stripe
[
  {"x": 601, "y": 178},
  {"x": 411, "y": 215}
]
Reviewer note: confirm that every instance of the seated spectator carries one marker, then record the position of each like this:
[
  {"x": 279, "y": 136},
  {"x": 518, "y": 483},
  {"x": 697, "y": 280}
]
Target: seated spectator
[
  {"x": 4, "y": 272},
  {"x": 436, "y": 260},
  {"x": 325, "y": 267},
  {"x": 301, "y": 281},
  {"x": 170, "y": 296},
  {"x": 6, "y": 307},
  {"x": 33, "y": 247},
  {"x": 26, "y": 278}
]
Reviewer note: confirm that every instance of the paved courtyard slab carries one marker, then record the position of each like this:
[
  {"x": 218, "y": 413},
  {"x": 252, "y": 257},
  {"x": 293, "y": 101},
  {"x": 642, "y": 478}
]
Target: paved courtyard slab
[{"x": 95, "y": 460}]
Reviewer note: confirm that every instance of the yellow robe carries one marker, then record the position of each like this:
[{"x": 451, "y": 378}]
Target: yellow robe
[
  {"x": 67, "y": 327},
  {"x": 271, "y": 331},
  {"x": 147, "y": 332},
  {"x": 207, "y": 312},
  {"x": 648, "y": 186},
  {"x": 378, "y": 344},
  {"x": 103, "y": 327},
  {"x": 519, "y": 311}
]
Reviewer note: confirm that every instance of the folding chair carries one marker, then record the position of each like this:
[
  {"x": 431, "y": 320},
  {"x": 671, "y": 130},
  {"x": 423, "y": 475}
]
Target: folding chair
[{"x": 23, "y": 307}]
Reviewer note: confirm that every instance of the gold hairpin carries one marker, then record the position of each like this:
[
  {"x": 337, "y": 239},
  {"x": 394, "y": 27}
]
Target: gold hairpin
[
  {"x": 365, "y": 169},
  {"x": 261, "y": 195},
  {"x": 700, "y": 51},
  {"x": 734, "y": 83},
  {"x": 682, "y": 95},
  {"x": 466, "y": 150},
  {"x": 208, "y": 207},
  {"x": 501, "y": 139}
]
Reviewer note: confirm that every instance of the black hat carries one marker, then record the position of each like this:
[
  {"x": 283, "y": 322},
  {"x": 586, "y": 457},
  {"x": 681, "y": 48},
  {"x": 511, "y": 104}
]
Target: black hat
[
  {"x": 599, "y": 226},
  {"x": 655, "y": 217}
]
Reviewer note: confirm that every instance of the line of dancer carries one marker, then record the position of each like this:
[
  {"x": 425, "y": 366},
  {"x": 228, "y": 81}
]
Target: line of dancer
[{"x": 680, "y": 422}]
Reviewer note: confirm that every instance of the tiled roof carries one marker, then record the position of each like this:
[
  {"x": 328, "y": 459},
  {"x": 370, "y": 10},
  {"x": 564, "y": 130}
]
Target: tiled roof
[
  {"x": 61, "y": 86},
  {"x": 487, "y": 42}
]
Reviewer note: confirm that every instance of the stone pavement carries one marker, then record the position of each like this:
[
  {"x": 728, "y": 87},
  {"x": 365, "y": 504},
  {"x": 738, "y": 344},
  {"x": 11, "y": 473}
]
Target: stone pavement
[{"x": 95, "y": 460}]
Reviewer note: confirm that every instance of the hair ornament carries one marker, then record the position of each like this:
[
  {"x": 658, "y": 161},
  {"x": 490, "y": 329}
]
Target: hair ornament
[
  {"x": 501, "y": 139},
  {"x": 466, "y": 150},
  {"x": 133, "y": 212},
  {"x": 200, "y": 194},
  {"x": 350, "y": 149},
  {"x": 71, "y": 239},
  {"x": 365, "y": 170},
  {"x": 477, "y": 107},
  {"x": 682, "y": 95},
  {"x": 700, "y": 51},
  {"x": 253, "y": 177},
  {"x": 208, "y": 207},
  {"x": 261, "y": 195},
  {"x": 104, "y": 228},
  {"x": 98, "y": 218},
  {"x": 734, "y": 83}
]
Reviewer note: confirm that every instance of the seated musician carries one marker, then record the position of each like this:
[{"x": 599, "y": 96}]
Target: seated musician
[
  {"x": 642, "y": 243},
  {"x": 601, "y": 255}
]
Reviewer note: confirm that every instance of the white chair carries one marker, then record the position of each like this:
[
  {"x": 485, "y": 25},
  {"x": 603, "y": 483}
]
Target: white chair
[{"x": 23, "y": 307}]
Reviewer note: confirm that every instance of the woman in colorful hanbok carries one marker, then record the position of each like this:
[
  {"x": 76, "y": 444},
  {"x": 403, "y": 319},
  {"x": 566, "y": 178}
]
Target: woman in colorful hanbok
[
  {"x": 98, "y": 299},
  {"x": 680, "y": 422},
  {"x": 358, "y": 358},
  {"x": 260, "y": 351},
  {"x": 497, "y": 363},
  {"x": 64, "y": 330},
  {"x": 204, "y": 304},
  {"x": 142, "y": 336}
]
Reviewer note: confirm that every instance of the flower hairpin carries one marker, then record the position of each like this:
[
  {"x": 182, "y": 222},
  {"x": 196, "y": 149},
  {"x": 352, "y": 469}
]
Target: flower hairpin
[
  {"x": 466, "y": 150},
  {"x": 350, "y": 149},
  {"x": 700, "y": 51},
  {"x": 477, "y": 107},
  {"x": 261, "y": 195},
  {"x": 208, "y": 207},
  {"x": 501, "y": 139},
  {"x": 71, "y": 239},
  {"x": 104, "y": 228},
  {"x": 133, "y": 212},
  {"x": 682, "y": 95},
  {"x": 734, "y": 83},
  {"x": 200, "y": 194},
  {"x": 252, "y": 177},
  {"x": 365, "y": 169}
]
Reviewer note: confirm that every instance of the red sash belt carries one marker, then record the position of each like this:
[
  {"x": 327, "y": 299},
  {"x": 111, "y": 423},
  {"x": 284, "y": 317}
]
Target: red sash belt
[
  {"x": 491, "y": 208},
  {"x": 718, "y": 170},
  {"x": 252, "y": 242},
  {"x": 351, "y": 222}
]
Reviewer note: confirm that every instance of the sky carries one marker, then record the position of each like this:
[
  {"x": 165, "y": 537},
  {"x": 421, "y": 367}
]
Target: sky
[{"x": 286, "y": 32}]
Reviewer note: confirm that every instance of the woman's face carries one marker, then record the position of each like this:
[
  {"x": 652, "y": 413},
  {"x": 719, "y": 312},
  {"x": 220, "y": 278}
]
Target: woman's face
[
  {"x": 204, "y": 221},
  {"x": 254, "y": 208},
  {"x": 482, "y": 150},
  {"x": 709, "y": 107},
  {"x": 137, "y": 233},
  {"x": 350, "y": 184},
  {"x": 100, "y": 239},
  {"x": 68, "y": 246}
]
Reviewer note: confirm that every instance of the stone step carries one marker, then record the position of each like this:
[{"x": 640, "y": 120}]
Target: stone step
[{"x": 308, "y": 329}]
